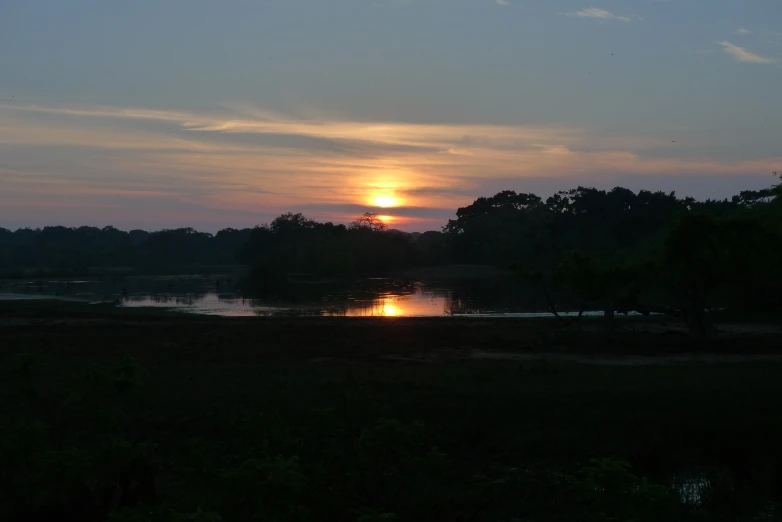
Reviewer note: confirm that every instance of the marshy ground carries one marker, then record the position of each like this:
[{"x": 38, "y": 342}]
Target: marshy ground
[{"x": 438, "y": 419}]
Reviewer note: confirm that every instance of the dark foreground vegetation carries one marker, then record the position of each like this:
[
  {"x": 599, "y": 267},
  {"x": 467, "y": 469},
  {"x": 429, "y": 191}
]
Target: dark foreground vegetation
[{"x": 107, "y": 415}]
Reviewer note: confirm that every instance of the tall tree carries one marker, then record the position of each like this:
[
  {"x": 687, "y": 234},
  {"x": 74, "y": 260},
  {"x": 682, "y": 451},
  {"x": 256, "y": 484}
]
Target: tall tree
[
  {"x": 692, "y": 253},
  {"x": 369, "y": 221}
]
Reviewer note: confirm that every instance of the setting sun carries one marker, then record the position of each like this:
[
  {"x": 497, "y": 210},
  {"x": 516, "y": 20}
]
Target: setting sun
[
  {"x": 391, "y": 310},
  {"x": 386, "y": 201}
]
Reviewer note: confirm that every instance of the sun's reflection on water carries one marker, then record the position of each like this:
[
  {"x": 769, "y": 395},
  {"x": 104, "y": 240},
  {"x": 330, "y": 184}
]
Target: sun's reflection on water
[{"x": 418, "y": 303}]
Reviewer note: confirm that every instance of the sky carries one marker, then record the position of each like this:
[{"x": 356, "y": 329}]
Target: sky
[{"x": 172, "y": 113}]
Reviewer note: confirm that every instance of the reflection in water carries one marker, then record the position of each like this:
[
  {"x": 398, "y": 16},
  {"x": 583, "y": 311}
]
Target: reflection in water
[
  {"x": 419, "y": 303},
  {"x": 370, "y": 297},
  {"x": 415, "y": 303},
  {"x": 210, "y": 303}
]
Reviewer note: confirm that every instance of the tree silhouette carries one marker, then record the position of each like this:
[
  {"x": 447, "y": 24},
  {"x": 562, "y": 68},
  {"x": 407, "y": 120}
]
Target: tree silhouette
[
  {"x": 692, "y": 253},
  {"x": 291, "y": 222},
  {"x": 369, "y": 221}
]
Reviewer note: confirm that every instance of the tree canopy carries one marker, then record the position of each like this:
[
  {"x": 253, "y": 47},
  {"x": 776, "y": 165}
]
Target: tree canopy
[{"x": 79, "y": 250}]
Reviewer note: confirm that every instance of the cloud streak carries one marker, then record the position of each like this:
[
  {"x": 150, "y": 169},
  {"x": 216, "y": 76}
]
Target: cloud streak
[
  {"x": 388, "y": 134},
  {"x": 602, "y": 15},
  {"x": 741, "y": 54},
  {"x": 248, "y": 164}
]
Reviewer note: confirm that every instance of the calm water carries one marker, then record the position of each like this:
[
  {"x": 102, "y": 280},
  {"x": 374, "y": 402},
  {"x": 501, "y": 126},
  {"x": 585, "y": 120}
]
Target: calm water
[
  {"x": 220, "y": 295},
  {"x": 418, "y": 302}
]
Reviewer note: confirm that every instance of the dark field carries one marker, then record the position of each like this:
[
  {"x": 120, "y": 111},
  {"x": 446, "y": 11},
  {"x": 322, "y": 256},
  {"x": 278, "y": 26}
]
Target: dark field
[{"x": 137, "y": 415}]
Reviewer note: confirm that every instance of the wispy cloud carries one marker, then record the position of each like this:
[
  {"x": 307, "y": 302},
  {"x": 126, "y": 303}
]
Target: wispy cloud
[
  {"x": 743, "y": 30},
  {"x": 741, "y": 54},
  {"x": 503, "y": 3},
  {"x": 602, "y": 15},
  {"x": 246, "y": 164},
  {"x": 255, "y": 122}
]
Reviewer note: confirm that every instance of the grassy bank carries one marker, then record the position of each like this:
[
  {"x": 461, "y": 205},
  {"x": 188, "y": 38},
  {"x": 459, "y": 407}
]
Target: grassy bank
[{"x": 182, "y": 418}]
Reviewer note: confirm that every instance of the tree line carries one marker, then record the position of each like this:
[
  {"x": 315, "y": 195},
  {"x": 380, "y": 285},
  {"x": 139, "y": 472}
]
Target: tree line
[
  {"x": 80, "y": 250},
  {"x": 615, "y": 250},
  {"x": 621, "y": 251}
]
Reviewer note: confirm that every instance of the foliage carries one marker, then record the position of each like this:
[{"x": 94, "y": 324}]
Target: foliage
[
  {"x": 72, "y": 457},
  {"x": 296, "y": 246},
  {"x": 369, "y": 221},
  {"x": 157, "y": 514},
  {"x": 619, "y": 251},
  {"x": 215, "y": 438},
  {"x": 80, "y": 463},
  {"x": 63, "y": 250},
  {"x": 268, "y": 488}
]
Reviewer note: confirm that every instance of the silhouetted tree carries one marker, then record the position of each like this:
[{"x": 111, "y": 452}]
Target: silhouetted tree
[
  {"x": 290, "y": 222},
  {"x": 692, "y": 253},
  {"x": 369, "y": 221}
]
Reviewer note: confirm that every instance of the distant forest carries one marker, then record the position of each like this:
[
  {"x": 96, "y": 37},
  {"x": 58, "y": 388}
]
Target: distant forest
[
  {"x": 499, "y": 230},
  {"x": 83, "y": 250}
]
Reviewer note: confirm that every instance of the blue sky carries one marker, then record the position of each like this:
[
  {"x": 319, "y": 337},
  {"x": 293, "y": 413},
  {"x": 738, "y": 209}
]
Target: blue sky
[{"x": 191, "y": 112}]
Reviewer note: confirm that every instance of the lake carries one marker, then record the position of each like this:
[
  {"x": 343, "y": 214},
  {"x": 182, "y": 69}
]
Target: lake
[{"x": 364, "y": 297}]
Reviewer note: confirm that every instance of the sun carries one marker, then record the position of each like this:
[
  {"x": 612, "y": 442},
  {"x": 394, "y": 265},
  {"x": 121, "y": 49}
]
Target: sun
[
  {"x": 386, "y": 201},
  {"x": 391, "y": 310}
]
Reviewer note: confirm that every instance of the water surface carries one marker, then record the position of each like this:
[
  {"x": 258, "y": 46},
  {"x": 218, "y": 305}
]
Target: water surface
[{"x": 366, "y": 297}]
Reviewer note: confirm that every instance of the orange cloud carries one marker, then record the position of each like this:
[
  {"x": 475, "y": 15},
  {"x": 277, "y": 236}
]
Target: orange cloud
[{"x": 252, "y": 161}]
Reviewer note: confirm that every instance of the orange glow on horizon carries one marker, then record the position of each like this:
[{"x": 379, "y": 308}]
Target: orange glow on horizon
[
  {"x": 202, "y": 175},
  {"x": 391, "y": 310}
]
